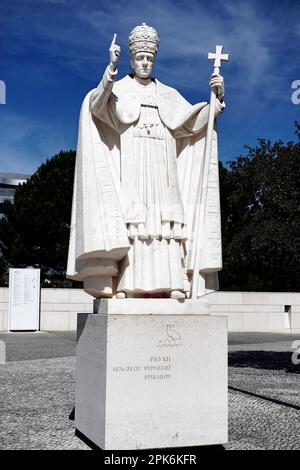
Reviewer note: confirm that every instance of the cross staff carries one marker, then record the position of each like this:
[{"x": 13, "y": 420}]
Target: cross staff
[{"x": 203, "y": 182}]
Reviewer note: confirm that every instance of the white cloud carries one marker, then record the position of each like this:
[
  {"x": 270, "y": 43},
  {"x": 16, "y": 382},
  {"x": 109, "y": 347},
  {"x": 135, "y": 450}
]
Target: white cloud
[
  {"x": 188, "y": 32},
  {"x": 77, "y": 35},
  {"x": 26, "y": 142}
]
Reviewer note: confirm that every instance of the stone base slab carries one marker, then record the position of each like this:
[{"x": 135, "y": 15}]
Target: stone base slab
[
  {"x": 151, "y": 306},
  {"x": 151, "y": 381}
]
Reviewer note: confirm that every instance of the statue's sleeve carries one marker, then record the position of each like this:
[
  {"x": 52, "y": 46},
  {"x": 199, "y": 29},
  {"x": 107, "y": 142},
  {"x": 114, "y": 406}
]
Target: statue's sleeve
[
  {"x": 198, "y": 122},
  {"x": 102, "y": 101}
]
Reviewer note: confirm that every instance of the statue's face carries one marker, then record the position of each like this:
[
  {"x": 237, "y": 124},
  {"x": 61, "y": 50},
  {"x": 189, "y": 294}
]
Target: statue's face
[{"x": 143, "y": 63}]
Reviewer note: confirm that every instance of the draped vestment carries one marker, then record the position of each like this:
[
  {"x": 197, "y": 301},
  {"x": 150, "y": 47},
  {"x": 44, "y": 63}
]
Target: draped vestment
[{"x": 139, "y": 161}]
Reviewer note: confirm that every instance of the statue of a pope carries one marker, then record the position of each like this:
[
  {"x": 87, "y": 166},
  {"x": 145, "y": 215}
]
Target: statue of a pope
[{"x": 138, "y": 164}]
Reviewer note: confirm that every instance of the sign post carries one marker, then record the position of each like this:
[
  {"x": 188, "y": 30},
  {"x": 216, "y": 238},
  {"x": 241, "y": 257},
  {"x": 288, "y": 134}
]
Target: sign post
[{"x": 24, "y": 299}]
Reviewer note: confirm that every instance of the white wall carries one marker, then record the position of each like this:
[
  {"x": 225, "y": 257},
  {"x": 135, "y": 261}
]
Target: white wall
[
  {"x": 258, "y": 311},
  {"x": 247, "y": 311}
]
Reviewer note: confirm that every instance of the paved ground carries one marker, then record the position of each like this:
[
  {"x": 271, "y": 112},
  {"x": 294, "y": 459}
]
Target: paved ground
[{"x": 37, "y": 388}]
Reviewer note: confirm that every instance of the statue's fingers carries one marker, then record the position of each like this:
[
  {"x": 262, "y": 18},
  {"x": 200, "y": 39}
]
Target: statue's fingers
[{"x": 113, "y": 42}]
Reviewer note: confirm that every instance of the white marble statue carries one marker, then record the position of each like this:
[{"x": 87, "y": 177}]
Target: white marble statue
[{"x": 139, "y": 161}]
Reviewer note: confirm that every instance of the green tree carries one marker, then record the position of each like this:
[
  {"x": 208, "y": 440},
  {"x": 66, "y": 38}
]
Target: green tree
[
  {"x": 35, "y": 229},
  {"x": 260, "y": 199}
]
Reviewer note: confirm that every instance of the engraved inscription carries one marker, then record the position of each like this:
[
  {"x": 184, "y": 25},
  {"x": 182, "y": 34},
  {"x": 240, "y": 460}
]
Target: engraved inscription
[
  {"x": 127, "y": 369},
  {"x": 158, "y": 368},
  {"x": 157, "y": 376}
]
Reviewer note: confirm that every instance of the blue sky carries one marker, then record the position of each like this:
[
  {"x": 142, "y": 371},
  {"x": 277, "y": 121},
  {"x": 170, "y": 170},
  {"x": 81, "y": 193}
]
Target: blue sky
[{"x": 52, "y": 52}]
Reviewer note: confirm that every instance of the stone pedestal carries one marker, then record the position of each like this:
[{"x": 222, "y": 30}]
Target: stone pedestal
[{"x": 151, "y": 380}]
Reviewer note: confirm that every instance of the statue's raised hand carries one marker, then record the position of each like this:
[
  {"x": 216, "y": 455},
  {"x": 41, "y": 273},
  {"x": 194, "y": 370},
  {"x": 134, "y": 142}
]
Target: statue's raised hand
[{"x": 114, "y": 53}]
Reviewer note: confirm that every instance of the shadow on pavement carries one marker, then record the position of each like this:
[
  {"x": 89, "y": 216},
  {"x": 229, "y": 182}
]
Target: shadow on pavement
[
  {"x": 72, "y": 414},
  {"x": 263, "y": 360}
]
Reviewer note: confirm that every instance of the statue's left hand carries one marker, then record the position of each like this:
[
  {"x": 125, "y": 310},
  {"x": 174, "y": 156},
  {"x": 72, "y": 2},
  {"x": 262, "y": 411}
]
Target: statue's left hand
[{"x": 217, "y": 83}]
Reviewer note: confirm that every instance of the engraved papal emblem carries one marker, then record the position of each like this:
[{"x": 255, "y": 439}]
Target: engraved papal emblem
[{"x": 172, "y": 338}]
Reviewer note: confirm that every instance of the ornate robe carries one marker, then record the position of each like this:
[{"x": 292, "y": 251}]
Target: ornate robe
[{"x": 138, "y": 164}]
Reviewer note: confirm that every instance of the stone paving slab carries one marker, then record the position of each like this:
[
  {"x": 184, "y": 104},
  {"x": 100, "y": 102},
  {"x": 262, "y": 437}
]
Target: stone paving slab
[
  {"x": 266, "y": 368},
  {"x": 270, "y": 384},
  {"x": 279, "y": 346},
  {"x": 22, "y": 346},
  {"x": 38, "y": 394},
  {"x": 37, "y": 399},
  {"x": 260, "y": 337},
  {"x": 256, "y": 424}
]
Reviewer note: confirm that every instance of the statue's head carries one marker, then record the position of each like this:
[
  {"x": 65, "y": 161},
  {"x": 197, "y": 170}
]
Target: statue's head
[{"x": 143, "y": 43}]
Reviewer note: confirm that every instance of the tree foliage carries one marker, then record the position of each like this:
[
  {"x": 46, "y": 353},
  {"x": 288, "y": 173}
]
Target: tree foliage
[
  {"x": 260, "y": 199},
  {"x": 35, "y": 229}
]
